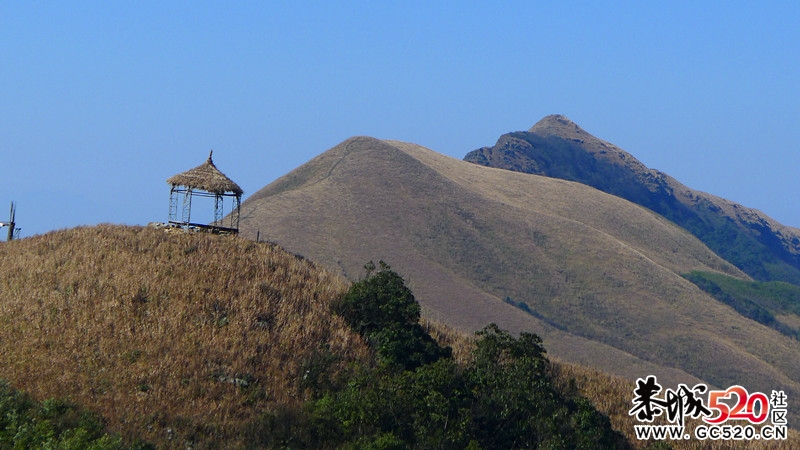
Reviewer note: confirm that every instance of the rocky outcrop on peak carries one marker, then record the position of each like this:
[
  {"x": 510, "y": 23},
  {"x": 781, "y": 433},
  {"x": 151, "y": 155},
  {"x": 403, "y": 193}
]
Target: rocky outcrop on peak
[{"x": 557, "y": 147}]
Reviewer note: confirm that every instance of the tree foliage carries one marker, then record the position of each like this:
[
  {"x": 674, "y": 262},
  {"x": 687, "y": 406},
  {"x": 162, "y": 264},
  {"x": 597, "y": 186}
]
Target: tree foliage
[
  {"x": 56, "y": 424},
  {"x": 417, "y": 396},
  {"x": 384, "y": 311}
]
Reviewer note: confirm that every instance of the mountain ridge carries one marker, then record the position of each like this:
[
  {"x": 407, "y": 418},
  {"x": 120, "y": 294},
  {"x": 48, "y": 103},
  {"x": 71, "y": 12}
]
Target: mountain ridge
[
  {"x": 599, "y": 276},
  {"x": 559, "y": 148}
]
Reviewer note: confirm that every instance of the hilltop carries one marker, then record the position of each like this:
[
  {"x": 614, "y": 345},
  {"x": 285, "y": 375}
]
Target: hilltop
[
  {"x": 178, "y": 339},
  {"x": 559, "y": 148},
  {"x": 598, "y": 277}
]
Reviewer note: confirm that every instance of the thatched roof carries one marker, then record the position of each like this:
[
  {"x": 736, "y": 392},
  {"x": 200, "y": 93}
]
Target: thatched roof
[{"x": 206, "y": 177}]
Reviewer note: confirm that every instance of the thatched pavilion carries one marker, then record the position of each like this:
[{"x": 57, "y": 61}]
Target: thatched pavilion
[{"x": 204, "y": 180}]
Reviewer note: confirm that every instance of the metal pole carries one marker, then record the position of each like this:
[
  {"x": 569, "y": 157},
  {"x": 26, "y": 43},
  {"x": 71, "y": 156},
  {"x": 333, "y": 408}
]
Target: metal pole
[
  {"x": 235, "y": 214},
  {"x": 173, "y": 205},
  {"x": 218, "y": 210},
  {"x": 11, "y": 223},
  {"x": 186, "y": 217}
]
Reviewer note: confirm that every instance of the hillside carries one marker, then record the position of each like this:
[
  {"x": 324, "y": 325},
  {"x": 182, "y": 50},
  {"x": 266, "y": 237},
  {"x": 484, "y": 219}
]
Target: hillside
[
  {"x": 559, "y": 148},
  {"x": 598, "y": 277},
  {"x": 191, "y": 340},
  {"x": 177, "y": 339}
]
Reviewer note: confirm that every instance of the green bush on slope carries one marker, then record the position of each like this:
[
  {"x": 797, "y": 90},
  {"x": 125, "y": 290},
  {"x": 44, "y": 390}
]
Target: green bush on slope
[
  {"x": 384, "y": 311},
  {"x": 25, "y": 423},
  {"x": 417, "y": 396}
]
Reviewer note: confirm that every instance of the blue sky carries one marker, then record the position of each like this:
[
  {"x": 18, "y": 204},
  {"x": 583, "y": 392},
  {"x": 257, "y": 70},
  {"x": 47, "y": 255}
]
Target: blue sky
[{"x": 101, "y": 102}]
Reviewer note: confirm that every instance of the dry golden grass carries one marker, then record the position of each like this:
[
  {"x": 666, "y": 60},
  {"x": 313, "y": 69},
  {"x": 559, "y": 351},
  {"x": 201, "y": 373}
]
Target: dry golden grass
[
  {"x": 610, "y": 394},
  {"x": 160, "y": 332},
  {"x": 445, "y": 335},
  {"x": 601, "y": 275}
]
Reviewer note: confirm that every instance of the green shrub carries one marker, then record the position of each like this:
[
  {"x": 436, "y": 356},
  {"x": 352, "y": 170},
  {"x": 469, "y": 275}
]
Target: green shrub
[
  {"x": 384, "y": 311},
  {"x": 418, "y": 397},
  {"x": 55, "y": 424}
]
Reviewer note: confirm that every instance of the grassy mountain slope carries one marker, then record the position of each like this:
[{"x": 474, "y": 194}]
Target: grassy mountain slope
[
  {"x": 177, "y": 339},
  {"x": 611, "y": 396},
  {"x": 598, "y": 275},
  {"x": 188, "y": 340},
  {"x": 775, "y": 304},
  {"x": 557, "y": 147}
]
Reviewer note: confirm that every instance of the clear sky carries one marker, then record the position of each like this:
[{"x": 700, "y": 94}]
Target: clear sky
[{"x": 101, "y": 102}]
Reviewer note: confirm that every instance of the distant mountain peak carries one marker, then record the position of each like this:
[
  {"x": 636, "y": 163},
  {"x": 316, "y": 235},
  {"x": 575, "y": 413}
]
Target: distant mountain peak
[
  {"x": 558, "y": 125},
  {"x": 557, "y": 147},
  {"x": 593, "y": 271}
]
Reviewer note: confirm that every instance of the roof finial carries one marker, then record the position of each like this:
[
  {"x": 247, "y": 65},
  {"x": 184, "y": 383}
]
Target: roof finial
[{"x": 209, "y": 156}]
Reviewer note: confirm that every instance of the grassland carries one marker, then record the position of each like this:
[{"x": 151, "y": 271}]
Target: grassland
[
  {"x": 612, "y": 396},
  {"x": 556, "y": 147},
  {"x": 176, "y": 339},
  {"x": 599, "y": 275},
  {"x": 775, "y": 304},
  {"x": 189, "y": 340}
]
